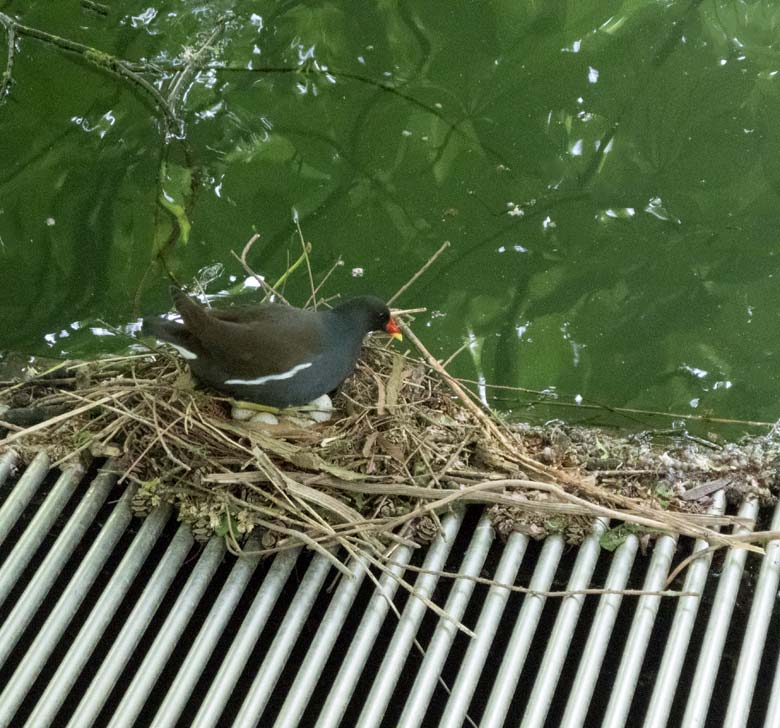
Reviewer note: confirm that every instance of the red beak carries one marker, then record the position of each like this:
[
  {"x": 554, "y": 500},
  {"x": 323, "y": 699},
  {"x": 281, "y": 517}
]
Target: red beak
[{"x": 392, "y": 328}]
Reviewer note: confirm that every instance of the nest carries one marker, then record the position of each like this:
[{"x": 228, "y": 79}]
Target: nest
[{"x": 408, "y": 443}]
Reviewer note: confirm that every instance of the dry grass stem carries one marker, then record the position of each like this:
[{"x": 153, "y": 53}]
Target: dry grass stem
[
  {"x": 265, "y": 285},
  {"x": 405, "y": 287}
]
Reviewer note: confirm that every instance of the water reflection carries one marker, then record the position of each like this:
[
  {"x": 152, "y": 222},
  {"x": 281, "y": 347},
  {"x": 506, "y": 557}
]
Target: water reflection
[{"x": 608, "y": 181}]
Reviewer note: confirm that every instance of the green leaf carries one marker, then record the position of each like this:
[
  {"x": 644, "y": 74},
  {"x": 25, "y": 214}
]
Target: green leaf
[
  {"x": 663, "y": 494},
  {"x": 226, "y": 524},
  {"x": 614, "y": 537},
  {"x": 176, "y": 188}
]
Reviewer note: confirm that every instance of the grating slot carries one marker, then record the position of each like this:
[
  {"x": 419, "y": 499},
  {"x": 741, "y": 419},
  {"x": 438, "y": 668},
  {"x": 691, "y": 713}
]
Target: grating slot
[
  {"x": 756, "y": 632},
  {"x": 286, "y": 636},
  {"x": 639, "y": 636},
  {"x": 679, "y": 635},
  {"x": 55, "y": 561},
  {"x": 67, "y": 605},
  {"x": 437, "y": 650},
  {"x": 565, "y": 623},
  {"x": 522, "y": 634},
  {"x": 363, "y": 641},
  {"x": 147, "y": 674},
  {"x": 236, "y": 659},
  {"x": 718, "y": 625},
  {"x": 599, "y": 635},
  {"x": 100, "y": 617},
  {"x": 22, "y": 494},
  {"x": 404, "y": 635},
  {"x": 321, "y": 647},
  {"x": 37, "y": 529},
  {"x": 132, "y": 631},
  {"x": 202, "y": 648},
  {"x": 487, "y": 626}
]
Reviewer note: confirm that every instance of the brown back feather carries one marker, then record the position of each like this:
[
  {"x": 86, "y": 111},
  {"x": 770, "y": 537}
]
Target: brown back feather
[{"x": 254, "y": 341}]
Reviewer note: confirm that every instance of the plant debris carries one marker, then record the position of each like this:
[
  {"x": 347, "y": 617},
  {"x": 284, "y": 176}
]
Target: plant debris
[{"x": 407, "y": 444}]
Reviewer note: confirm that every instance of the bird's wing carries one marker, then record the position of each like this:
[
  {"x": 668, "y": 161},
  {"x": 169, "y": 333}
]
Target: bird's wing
[
  {"x": 271, "y": 343},
  {"x": 249, "y": 312}
]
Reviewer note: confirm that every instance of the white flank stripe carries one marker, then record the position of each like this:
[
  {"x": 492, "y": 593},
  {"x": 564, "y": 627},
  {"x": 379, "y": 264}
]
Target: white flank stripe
[
  {"x": 186, "y": 353},
  {"x": 271, "y": 377}
]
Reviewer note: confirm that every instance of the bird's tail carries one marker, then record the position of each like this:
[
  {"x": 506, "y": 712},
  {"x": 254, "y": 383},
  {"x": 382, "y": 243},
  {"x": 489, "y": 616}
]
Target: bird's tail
[
  {"x": 193, "y": 314},
  {"x": 173, "y": 333},
  {"x": 162, "y": 329}
]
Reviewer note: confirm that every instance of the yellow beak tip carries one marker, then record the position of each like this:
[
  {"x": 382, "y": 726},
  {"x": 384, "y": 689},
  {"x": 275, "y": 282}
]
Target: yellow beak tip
[{"x": 398, "y": 336}]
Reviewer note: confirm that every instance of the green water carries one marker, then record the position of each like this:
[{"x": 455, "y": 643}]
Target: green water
[{"x": 607, "y": 173}]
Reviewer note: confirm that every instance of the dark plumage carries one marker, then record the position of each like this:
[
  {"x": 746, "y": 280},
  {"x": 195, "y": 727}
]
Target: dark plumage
[{"x": 272, "y": 353}]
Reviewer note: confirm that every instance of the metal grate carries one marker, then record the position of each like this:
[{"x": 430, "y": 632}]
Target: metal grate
[{"x": 107, "y": 620}]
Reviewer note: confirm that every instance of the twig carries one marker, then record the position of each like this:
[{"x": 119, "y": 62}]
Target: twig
[
  {"x": 97, "y": 58},
  {"x": 19, "y": 385},
  {"x": 303, "y": 537},
  {"x": 292, "y": 268},
  {"x": 422, "y": 270},
  {"x": 429, "y": 603},
  {"x": 267, "y": 287},
  {"x": 739, "y": 541},
  {"x": 554, "y": 594},
  {"x": 159, "y": 434},
  {"x": 468, "y": 494},
  {"x": 653, "y": 523},
  {"x": 688, "y": 560},
  {"x": 107, "y": 360},
  {"x": 455, "y": 353},
  {"x": 98, "y": 8},
  {"x": 183, "y": 76},
  {"x": 485, "y": 420},
  {"x": 54, "y": 420},
  {"x": 619, "y": 410},
  {"x": 5, "y": 83},
  {"x": 403, "y": 311},
  {"x": 311, "y": 298},
  {"x": 306, "y": 247}
]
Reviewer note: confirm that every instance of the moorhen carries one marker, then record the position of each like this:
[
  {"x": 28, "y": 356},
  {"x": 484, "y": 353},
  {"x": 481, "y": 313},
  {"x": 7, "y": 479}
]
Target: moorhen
[{"x": 271, "y": 353}]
